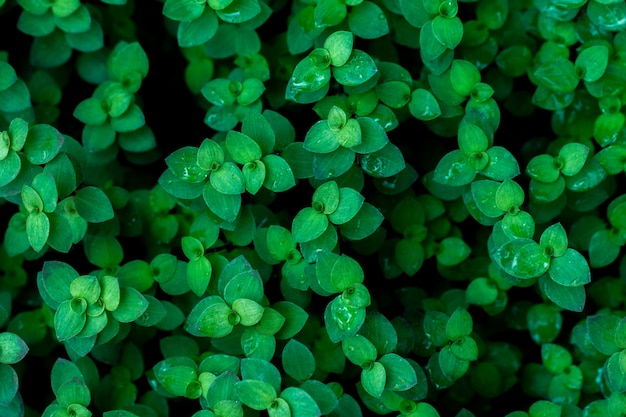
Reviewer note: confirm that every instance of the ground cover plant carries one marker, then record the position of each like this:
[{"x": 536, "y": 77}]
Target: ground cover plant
[{"x": 301, "y": 208}]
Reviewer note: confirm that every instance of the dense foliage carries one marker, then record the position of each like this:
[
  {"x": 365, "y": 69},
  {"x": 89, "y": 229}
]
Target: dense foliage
[{"x": 230, "y": 208}]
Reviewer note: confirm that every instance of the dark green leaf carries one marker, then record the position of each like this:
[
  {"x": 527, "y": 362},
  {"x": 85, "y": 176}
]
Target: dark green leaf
[
  {"x": 298, "y": 361},
  {"x": 357, "y": 70},
  {"x": 257, "y": 395},
  {"x": 367, "y": 20}
]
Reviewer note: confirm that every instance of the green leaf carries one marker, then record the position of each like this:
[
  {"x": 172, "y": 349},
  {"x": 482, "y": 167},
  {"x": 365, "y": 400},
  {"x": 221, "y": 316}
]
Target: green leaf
[
  {"x": 308, "y": 225},
  {"x": 452, "y": 367},
  {"x": 384, "y": 163},
  {"x": 522, "y": 258},
  {"x": 569, "y": 298},
  {"x": 240, "y": 11},
  {"x": 257, "y": 395},
  {"x": 321, "y": 138},
  {"x": 400, "y": 374},
  {"x": 374, "y": 379},
  {"x": 300, "y": 403},
  {"x": 228, "y": 179},
  {"x": 259, "y": 369},
  {"x": 448, "y": 30},
  {"x": 223, "y": 205},
  {"x": 502, "y": 164},
  {"x": 246, "y": 284},
  {"x": 183, "y": 10},
  {"x": 350, "y": 202},
  {"x": 459, "y": 324},
  {"x": 127, "y": 58},
  {"x": 31, "y": 199},
  {"x": 242, "y": 148},
  {"x": 250, "y": 312},
  {"x": 9, "y": 385},
  {"x": 278, "y": 175},
  {"x": 345, "y": 272},
  {"x": 570, "y": 270},
  {"x": 601, "y": 329},
  {"x": 367, "y": 20},
  {"x": 572, "y": 156},
  {"x": 93, "y": 205},
  {"x": 464, "y": 76},
  {"x": 558, "y": 75},
  {"x": 42, "y": 144},
  {"x": 216, "y": 320},
  {"x": 69, "y": 320},
  {"x": 454, "y": 169},
  {"x": 12, "y": 348},
  {"x": 323, "y": 395},
  {"x": 363, "y": 224},
  {"x": 359, "y": 69},
  {"x": 295, "y": 319},
  {"x": 591, "y": 63},
  {"x": 307, "y": 78},
  {"x": 132, "y": 305},
  {"x": 298, "y": 361},
  {"x": 424, "y": 105},
  {"x": 359, "y": 350},
  {"x": 554, "y": 239},
  {"x": 37, "y": 230},
  {"x": 373, "y": 136},
  {"x": 334, "y": 164},
  {"x": 472, "y": 139},
  {"x": 409, "y": 256},
  {"x": 543, "y": 168},
  {"x": 329, "y": 13},
  {"x": 339, "y": 46},
  {"x": 602, "y": 250},
  {"x": 9, "y": 167},
  {"x": 509, "y": 195},
  {"x": 544, "y": 322},
  {"x": 198, "y": 31},
  {"x": 199, "y": 275},
  {"x": 452, "y": 251}
]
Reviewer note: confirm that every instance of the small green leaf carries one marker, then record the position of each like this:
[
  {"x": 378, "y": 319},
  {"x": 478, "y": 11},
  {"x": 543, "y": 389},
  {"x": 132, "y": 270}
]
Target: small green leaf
[
  {"x": 363, "y": 224},
  {"x": 321, "y": 138},
  {"x": 350, "y": 202},
  {"x": 37, "y": 230},
  {"x": 278, "y": 175},
  {"x": 452, "y": 367},
  {"x": 225, "y": 206},
  {"x": 454, "y": 169},
  {"x": 69, "y": 320},
  {"x": 228, "y": 179},
  {"x": 573, "y": 157},
  {"x": 570, "y": 270},
  {"x": 43, "y": 143},
  {"x": 367, "y": 20},
  {"x": 132, "y": 305},
  {"x": 359, "y": 350},
  {"x": 339, "y": 45},
  {"x": 300, "y": 403},
  {"x": 374, "y": 379},
  {"x": 257, "y": 395},
  {"x": 308, "y": 225},
  {"x": 522, "y": 258},
  {"x": 384, "y": 163},
  {"x": 481, "y": 291},
  {"x": 502, "y": 164},
  {"x": 448, "y": 30},
  {"x": 250, "y": 312},
  {"x": 93, "y": 205},
  {"x": 357, "y": 70},
  {"x": 554, "y": 239},
  {"x": 591, "y": 63},
  {"x": 452, "y": 251},
  {"x": 9, "y": 385},
  {"x": 183, "y": 10},
  {"x": 295, "y": 319},
  {"x": 459, "y": 324},
  {"x": 424, "y": 105},
  {"x": 569, "y": 298},
  {"x": 601, "y": 329},
  {"x": 558, "y": 75},
  {"x": 199, "y": 275},
  {"x": 298, "y": 361},
  {"x": 242, "y": 148},
  {"x": 400, "y": 374},
  {"x": 12, "y": 348}
]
